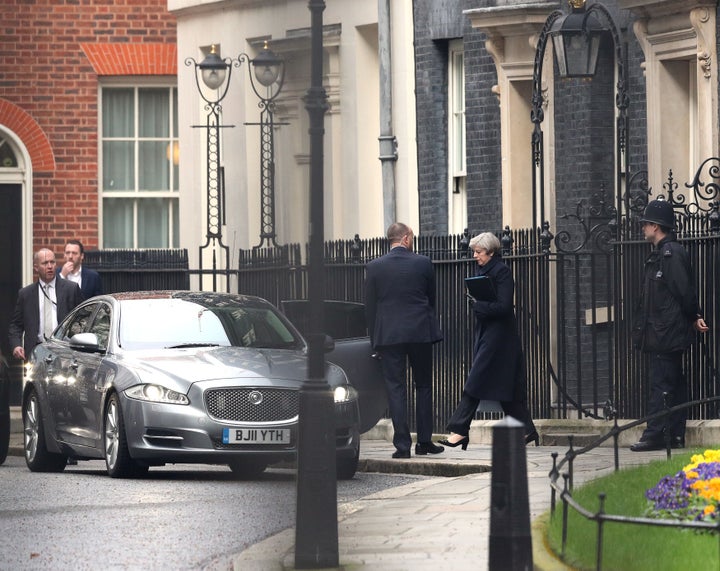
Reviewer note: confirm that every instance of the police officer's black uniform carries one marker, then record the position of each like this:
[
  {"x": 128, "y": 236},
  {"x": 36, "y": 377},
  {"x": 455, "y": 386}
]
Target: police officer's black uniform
[{"x": 663, "y": 327}]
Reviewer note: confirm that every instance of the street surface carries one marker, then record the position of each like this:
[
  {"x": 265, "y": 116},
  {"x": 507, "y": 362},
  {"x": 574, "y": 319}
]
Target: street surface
[{"x": 179, "y": 517}]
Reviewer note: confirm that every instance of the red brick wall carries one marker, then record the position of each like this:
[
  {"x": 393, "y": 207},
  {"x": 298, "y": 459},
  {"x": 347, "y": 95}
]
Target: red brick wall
[{"x": 51, "y": 55}]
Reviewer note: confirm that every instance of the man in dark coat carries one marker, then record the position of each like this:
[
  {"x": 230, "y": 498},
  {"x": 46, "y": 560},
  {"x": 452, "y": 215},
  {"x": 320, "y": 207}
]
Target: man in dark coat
[
  {"x": 665, "y": 324},
  {"x": 40, "y": 306},
  {"x": 73, "y": 270},
  {"x": 400, "y": 309}
]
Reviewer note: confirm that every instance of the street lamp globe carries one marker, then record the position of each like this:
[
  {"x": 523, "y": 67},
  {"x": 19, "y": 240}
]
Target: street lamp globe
[
  {"x": 213, "y": 69},
  {"x": 267, "y": 67}
]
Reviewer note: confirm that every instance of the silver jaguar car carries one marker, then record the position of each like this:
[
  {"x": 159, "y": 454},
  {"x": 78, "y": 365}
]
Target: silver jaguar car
[{"x": 147, "y": 378}]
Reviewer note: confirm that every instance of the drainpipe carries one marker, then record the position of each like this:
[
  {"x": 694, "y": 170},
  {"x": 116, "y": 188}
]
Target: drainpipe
[{"x": 388, "y": 143}]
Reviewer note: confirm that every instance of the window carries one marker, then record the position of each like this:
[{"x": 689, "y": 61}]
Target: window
[
  {"x": 139, "y": 174},
  {"x": 101, "y": 325},
  {"x": 7, "y": 155},
  {"x": 77, "y": 324},
  {"x": 456, "y": 137}
]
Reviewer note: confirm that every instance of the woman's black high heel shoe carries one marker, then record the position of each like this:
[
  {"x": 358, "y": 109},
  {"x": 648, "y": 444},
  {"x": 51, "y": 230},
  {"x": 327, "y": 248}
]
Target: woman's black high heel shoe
[
  {"x": 464, "y": 441},
  {"x": 533, "y": 437}
]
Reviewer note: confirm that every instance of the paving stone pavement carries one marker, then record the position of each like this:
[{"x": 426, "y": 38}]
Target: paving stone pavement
[
  {"x": 438, "y": 524},
  {"x": 435, "y": 524}
]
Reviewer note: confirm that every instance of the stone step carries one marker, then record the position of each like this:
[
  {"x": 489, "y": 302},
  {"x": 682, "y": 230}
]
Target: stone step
[{"x": 579, "y": 439}]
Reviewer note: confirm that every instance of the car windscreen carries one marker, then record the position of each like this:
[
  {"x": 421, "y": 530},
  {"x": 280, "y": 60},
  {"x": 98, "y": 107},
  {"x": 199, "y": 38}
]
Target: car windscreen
[{"x": 171, "y": 323}]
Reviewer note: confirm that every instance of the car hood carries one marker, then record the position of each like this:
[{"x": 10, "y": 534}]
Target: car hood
[{"x": 187, "y": 366}]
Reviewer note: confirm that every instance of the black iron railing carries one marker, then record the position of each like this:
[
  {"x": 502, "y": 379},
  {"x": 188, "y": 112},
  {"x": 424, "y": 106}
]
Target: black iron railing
[
  {"x": 561, "y": 485},
  {"x": 575, "y": 294}
]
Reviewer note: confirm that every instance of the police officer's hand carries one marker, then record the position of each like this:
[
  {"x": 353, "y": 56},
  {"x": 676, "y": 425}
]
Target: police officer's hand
[
  {"x": 700, "y": 325},
  {"x": 19, "y": 353}
]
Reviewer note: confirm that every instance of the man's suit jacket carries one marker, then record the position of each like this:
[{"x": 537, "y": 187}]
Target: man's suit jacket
[
  {"x": 91, "y": 284},
  {"x": 400, "y": 299},
  {"x": 26, "y": 317}
]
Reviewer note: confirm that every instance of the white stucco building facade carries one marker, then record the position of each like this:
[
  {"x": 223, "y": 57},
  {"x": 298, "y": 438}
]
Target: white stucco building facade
[{"x": 352, "y": 170}]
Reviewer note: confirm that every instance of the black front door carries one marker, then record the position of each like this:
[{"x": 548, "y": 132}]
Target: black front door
[{"x": 10, "y": 275}]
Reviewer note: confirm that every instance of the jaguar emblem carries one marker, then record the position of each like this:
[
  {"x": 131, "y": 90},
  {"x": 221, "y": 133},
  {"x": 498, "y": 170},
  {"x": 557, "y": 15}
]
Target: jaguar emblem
[{"x": 255, "y": 397}]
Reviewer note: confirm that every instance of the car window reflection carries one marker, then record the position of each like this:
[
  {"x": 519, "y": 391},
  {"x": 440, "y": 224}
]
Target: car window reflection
[
  {"x": 101, "y": 325},
  {"x": 77, "y": 323},
  {"x": 172, "y": 323}
]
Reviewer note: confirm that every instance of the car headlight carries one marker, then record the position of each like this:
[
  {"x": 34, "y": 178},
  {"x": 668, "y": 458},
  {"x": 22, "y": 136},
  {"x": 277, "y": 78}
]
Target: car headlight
[
  {"x": 156, "y": 393},
  {"x": 344, "y": 393}
]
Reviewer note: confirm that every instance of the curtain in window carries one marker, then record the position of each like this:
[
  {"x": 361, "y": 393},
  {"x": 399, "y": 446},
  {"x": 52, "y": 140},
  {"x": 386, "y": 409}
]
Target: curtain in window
[{"x": 117, "y": 223}]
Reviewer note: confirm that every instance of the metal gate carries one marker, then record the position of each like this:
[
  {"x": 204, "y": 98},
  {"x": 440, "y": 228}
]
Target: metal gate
[{"x": 597, "y": 267}]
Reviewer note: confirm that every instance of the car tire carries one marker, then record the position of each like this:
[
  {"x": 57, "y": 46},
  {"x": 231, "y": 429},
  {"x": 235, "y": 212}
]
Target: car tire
[
  {"x": 246, "y": 469},
  {"x": 347, "y": 467},
  {"x": 37, "y": 457},
  {"x": 118, "y": 461}
]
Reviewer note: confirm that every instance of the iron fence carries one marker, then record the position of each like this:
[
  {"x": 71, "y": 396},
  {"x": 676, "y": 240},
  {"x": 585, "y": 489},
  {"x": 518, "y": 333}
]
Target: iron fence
[
  {"x": 561, "y": 485},
  {"x": 573, "y": 311},
  {"x": 574, "y": 298}
]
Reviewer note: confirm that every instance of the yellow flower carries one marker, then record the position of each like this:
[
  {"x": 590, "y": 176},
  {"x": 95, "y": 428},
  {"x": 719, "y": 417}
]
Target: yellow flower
[
  {"x": 707, "y": 489},
  {"x": 709, "y": 510},
  {"x": 696, "y": 459}
]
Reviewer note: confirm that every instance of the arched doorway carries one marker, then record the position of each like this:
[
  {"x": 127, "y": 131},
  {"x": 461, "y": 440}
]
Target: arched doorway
[{"x": 12, "y": 247}]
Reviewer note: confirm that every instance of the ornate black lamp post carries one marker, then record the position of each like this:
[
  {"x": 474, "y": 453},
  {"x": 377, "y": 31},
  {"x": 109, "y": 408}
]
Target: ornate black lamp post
[
  {"x": 316, "y": 533},
  {"x": 266, "y": 78},
  {"x": 212, "y": 77},
  {"x": 576, "y": 41}
]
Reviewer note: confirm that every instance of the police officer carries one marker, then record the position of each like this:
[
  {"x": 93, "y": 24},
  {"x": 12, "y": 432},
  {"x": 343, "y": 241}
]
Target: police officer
[{"x": 665, "y": 324}]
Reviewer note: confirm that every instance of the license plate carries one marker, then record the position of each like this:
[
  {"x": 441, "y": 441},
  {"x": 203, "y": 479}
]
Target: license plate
[{"x": 256, "y": 436}]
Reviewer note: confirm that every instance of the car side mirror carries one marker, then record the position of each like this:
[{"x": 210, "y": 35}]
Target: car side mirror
[
  {"x": 329, "y": 344},
  {"x": 86, "y": 342}
]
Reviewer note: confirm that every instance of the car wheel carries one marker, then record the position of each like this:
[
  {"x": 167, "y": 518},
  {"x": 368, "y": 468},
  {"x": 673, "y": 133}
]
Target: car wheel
[
  {"x": 346, "y": 467},
  {"x": 37, "y": 457},
  {"x": 246, "y": 469},
  {"x": 118, "y": 462}
]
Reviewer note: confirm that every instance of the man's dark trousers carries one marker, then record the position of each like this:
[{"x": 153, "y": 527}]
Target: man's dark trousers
[
  {"x": 394, "y": 363},
  {"x": 666, "y": 376}
]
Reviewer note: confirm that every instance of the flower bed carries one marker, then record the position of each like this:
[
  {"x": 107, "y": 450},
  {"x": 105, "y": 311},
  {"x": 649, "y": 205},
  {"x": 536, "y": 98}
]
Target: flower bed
[{"x": 691, "y": 494}]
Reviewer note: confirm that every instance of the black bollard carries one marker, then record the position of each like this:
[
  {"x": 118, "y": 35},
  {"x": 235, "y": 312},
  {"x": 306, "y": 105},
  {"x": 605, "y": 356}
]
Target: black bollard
[{"x": 510, "y": 540}]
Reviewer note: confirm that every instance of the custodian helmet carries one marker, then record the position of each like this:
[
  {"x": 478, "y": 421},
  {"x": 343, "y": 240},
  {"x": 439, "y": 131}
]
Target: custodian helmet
[{"x": 659, "y": 212}]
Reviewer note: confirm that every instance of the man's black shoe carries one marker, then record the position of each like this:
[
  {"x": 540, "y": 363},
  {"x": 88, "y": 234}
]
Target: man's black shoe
[
  {"x": 401, "y": 454},
  {"x": 647, "y": 445},
  {"x": 422, "y": 448}
]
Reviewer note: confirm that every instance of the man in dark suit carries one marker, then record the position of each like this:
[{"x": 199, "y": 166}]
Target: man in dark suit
[
  {"x": 73, "y": 270},
  {"x": 400, "y": 308},
  {"x": 40, "y": 306}
]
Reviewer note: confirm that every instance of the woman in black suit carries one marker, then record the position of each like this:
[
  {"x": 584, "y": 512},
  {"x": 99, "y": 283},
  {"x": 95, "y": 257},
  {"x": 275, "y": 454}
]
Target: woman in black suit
[{"x": 498, "y": 367}]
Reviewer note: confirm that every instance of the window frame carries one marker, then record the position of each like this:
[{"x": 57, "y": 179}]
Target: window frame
[
  {"x": 171, "y": 196},
  {"x": 456, "y": 137}
]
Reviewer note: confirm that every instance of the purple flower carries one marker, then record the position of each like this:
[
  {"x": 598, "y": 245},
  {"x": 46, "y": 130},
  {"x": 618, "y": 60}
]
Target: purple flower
[{"x": 670, "y": 493}]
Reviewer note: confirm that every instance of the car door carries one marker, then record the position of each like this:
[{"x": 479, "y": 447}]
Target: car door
[
  {"x": 97, "y": 372},
  {"x": 345, "y": 323},
  {"x": 71, "y": 379}
]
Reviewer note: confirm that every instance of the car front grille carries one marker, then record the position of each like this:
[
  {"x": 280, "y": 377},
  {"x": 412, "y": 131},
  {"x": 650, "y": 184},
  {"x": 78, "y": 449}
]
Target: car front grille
[{"x": 252, "y": 404}]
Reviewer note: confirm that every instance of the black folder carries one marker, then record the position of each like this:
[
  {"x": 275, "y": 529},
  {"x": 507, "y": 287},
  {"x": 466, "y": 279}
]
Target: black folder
[{"x": 481, "y": 288}]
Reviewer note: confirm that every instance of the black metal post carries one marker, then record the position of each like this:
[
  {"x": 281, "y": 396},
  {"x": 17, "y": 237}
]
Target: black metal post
[
  {"x": 316, "y": 533},
  {"x": 510, "y": 539},
  {"x": 267, "y": 89},
  {"x": 267, "y": 174},
  {"x": 215, "y": 180}
]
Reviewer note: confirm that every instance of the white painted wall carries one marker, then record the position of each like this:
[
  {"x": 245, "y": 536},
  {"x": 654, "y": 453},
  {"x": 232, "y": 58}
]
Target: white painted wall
[{"x": 353, "y": 189}]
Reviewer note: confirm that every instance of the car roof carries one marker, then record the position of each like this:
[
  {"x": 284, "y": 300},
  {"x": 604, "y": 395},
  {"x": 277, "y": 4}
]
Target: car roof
[{"x": 201, "y": 297}]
